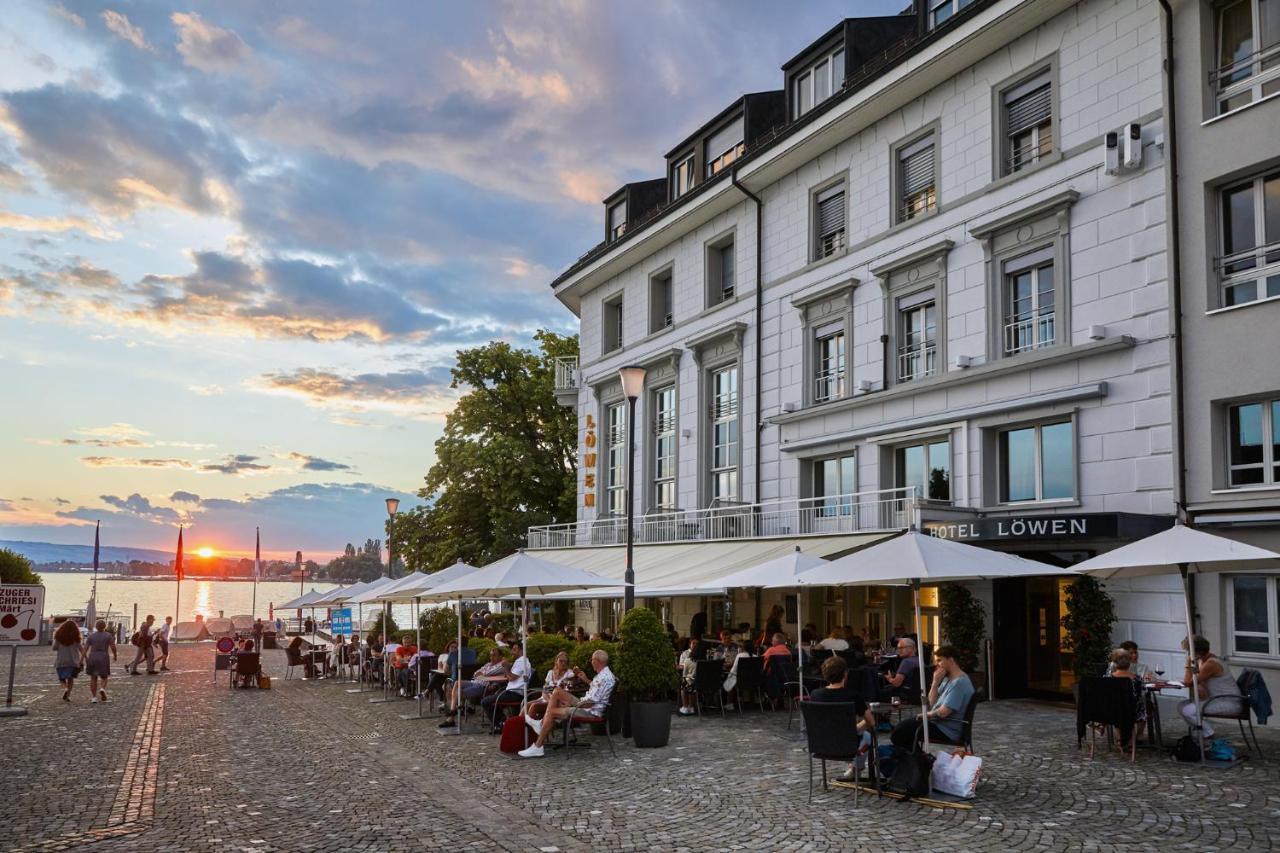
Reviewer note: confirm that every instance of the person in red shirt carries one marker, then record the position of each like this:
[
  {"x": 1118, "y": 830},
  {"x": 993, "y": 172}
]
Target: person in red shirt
[
  {"x": 406, "y": 652},
  {"x": 779, "y": 647}
]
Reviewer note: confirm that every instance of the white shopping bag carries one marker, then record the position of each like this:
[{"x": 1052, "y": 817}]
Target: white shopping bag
[{"x": 956, "y": 775}]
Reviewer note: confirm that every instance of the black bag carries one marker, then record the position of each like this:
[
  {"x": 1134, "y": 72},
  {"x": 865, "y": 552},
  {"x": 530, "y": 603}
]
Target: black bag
[
  {"x": 136, "y": 639},
  {"x": 911, "y": 772},
  {"x": 1186, "y": 749}
]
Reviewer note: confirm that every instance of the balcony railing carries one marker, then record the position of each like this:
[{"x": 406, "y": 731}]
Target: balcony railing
[
  {"x": 878, "y": 511},
  {"x": 828, "y": 385},
  {"x": 1248, "y": 79},
  {"x": 567, "y": 373},
  {"x": 1029, "y": 333},
  {"x": 917, "y": 361}
]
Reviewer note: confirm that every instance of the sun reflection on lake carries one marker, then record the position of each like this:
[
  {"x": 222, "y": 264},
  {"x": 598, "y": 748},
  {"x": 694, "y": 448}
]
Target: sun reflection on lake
[{"x": 204, "y": 597}]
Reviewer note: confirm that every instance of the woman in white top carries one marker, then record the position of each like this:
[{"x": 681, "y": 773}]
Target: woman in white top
[
  {"x": 559, "y": 675},
  {"x": 834, "y": 642}
]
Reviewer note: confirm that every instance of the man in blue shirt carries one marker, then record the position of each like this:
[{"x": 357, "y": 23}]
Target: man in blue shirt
[
  {"x": 949, "y": 696},
  {"x": 906, "y": 681}
]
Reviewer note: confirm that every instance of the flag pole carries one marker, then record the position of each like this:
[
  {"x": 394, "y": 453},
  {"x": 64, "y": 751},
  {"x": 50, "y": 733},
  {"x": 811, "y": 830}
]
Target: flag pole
[
  {"x": 177, "y": 565},
  {"x": 257, "y": 570}
]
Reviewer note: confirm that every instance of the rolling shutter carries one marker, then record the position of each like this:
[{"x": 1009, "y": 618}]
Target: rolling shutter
[
  {"x": 917, "y": 167},
  {"x": 1028, "y": 105},
  {"x": 831, "y": 212}
]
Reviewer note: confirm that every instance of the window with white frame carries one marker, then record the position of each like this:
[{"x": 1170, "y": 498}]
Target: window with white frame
[
  {"x": 1248, "y": 52},
  {"x": 925, "y": 465},
  {"x": 1027, "y": 123},
  {"x": 1029, "y": 296},
  {"x": 828, "y": 221},
  {"x": 725, "y": 146},
  {"x": 1254, "y": 615},
  {"x": 660, "y": 301},
  {"x": 724, "y": 434},
  {"x": 664, "y": 447},
  {"x": 682, "y": 177},
  {"x": 1250, "y": 263},
  {"x": 917, "y": 181},
  {"x": 819, "y": 81},
  {"x": 722, "y": 272},
  {"x": 917, "y": 335},
  {"x": 1037, "y": 463},
  {"x": 942, "y": 10},
  {"x": 612, "y": 331},
  {"x": 1253, "y": 443},
  {"x": 834, "y": 483},
  {"x": 615, "y": 455},
  {"x": 829, "y": 372},
  {"x": 617, "y": 220}
]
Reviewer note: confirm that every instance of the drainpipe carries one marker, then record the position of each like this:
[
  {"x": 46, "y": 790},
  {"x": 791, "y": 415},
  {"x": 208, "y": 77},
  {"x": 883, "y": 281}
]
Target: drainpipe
[
  {"x": 759, "y": 311},
  {"x": 1175, "y": 268}
]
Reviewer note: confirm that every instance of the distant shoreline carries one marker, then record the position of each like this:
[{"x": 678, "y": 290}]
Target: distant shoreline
[{"x": 118, "y": 577}]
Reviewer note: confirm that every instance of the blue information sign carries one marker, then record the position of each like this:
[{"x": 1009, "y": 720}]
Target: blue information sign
[{"x": 340, "y": 621}]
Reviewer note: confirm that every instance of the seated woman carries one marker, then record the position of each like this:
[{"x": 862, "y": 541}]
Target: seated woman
[
  {"x": 1122, "y": 667},
  {"x": 560, "y": 675},
  {"x": 489, "y": 677},
  {"x": 688, "y": 664},
  {"x": 247, "y": 665},
  {"x": 1219, "y": 693},
  {"x": 308, "y": 664},
  {"x": 337, "y": 655},
  {"x": 435, "y": 680},
  {"x": 746, "y": 649}
]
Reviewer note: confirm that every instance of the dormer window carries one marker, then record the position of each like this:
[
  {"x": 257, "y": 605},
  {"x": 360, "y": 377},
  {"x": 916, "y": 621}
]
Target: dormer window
[
  {"x": 617, "y": 220},
  {"x": 942, "y": 10},
  {"x": 818, "y": 82},
  {"x": 682, "y": 176},
  {"x": 725, "y": 146}
]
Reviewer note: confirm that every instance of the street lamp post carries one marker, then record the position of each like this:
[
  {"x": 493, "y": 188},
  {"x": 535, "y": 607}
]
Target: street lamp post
[
  {"x": 393, "y": 505},
  {"x": 632, "y": 384}
]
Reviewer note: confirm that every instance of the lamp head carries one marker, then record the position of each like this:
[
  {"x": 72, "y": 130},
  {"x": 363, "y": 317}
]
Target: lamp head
[
  {"x": 632, "y": 381},
  {"x": 393, "y": 504}
]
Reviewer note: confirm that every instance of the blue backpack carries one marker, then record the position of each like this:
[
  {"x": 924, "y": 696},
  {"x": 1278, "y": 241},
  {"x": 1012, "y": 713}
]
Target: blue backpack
[{"x": 1220, "y": 750}]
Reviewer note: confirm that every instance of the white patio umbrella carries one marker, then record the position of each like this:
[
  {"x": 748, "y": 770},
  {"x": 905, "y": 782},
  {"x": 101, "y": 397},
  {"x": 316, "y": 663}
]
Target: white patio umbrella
[
  {"x": 416, "y": 585},
  {"x": 1185, "y": 549},
  {"x": 525, "y": 574},
  {"x": 914, "y": 558},
  {"x": 372, "y": 589}
]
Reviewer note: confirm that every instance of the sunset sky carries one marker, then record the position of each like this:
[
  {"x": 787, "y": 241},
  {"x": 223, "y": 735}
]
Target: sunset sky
[{"x": 240, "y": 242}]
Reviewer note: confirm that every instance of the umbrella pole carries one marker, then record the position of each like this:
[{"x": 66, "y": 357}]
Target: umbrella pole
[
  {"x": 799, "y": 650},
  {"x": 1191, "y": 656},
  {"x": 524, "y": 649},
  {"x": 924, "y": 693},
  {"x": 360, "y": 651},
  {"x": 417, "y": 615},
  {"x": 386, "y": 659}
]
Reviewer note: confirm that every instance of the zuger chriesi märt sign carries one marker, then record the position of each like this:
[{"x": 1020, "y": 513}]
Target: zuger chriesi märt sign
[{"x": 1099, "y": 525}]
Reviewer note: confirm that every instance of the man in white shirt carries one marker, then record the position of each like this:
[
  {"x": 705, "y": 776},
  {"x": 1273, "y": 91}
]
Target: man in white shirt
[
  {"x": 518, "y": 675},
  {"x": 162, "y": 640},
  {"x": 563, "y": 703}
]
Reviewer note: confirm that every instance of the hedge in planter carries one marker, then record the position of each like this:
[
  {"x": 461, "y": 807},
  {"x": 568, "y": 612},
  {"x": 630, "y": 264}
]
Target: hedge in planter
[
  {"x": 647, "y": 674},
  {"x": 963, "y": 624},
  {"x": 1090, "y": 615},
  {"x": 581, "y": 655},
  {"x": 543, "y": 649}
]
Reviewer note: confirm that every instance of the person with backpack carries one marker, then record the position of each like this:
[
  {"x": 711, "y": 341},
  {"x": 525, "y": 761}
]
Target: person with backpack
[{"x": 144, "y": 642}]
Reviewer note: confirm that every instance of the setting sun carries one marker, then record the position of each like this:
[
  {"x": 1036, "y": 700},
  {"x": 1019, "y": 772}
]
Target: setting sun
[{"x": 204, "y": 552}]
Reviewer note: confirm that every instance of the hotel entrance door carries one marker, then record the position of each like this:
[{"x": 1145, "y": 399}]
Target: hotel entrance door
[{"x": 1028, "y": 637}]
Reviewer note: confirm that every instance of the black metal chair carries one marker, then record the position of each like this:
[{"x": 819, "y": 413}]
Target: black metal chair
[
  {"x": 607, "y": 724},
  {"x": 831, "y": 734},
  {"x": 750, "y": 681},
  {"x": 245, "y": 665},
  {"x": 966, "y": 735},
  {"x": 293, "y": 659},
  {"x": 1243, "y": 682},
  {"x": 504, "y": 706},
  {"x": 708, "y": 679}
]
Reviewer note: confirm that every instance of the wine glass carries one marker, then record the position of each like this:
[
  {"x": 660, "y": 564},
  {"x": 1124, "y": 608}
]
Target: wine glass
[{"x": 1159, "y": 672}]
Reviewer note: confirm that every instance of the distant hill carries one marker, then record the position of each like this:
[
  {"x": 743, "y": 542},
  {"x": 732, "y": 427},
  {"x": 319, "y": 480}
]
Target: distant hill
[{"x": 48, "y": 552}]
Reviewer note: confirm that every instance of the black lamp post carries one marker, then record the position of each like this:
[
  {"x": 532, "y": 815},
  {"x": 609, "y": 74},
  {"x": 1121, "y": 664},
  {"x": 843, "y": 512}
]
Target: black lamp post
[
  {"x": 393, "y": 504},
  {"x": 632, "y": 384}
]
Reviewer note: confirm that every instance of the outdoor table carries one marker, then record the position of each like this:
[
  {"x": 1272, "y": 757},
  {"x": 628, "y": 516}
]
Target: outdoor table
[{"x": 1150, "y": 690}]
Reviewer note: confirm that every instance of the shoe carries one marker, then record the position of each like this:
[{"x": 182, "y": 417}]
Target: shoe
[
  {"x": 164, "y": 669},
  {"x": 848, "y": 776},
  {"x": 730, "y": 707},
  {"x": 534, "y": 751},
  {"x": 94, "y": 700},
  {"x": 449, "y": 722},
  {"x": 534, "y": 724},
  {"x": 133, "y": 671},
  {"x": 66, "y": 695},
  {"x": 103, "y": 694},
  {"x": 151, "y": 672},
  {"x": 686, "y": 712}
]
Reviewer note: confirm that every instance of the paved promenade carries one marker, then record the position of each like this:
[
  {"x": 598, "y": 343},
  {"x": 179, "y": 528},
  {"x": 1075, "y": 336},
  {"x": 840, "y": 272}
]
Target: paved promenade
[{"x": 178, "y": 763}]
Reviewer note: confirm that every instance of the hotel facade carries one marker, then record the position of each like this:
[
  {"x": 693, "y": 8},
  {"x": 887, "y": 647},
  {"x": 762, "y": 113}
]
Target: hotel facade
[{"x": 926, "y": 282}]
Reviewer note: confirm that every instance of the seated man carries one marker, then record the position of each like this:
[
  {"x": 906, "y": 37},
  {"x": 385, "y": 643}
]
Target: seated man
[
  {"x": 405, "y": 654},
  {"x": 518, "y": 675},
  {"x": 488, "y": 676},
  {"x": 562, "y": 703},
  {"x": 949, "y": 696},
  {"x": 905, "y": 683},
  {"x": 1139, "y": 669},
  {"x": 778, "y": 649},
  {"x": 835, "y": 672}
]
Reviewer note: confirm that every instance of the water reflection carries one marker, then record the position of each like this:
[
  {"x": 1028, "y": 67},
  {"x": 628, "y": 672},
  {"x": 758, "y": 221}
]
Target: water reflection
[{"x": 204, "y": 598}]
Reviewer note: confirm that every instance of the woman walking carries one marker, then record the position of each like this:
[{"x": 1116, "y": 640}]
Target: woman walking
[
  {"x": 100, "y": 650},
  {"x": 66, "y": 645}
]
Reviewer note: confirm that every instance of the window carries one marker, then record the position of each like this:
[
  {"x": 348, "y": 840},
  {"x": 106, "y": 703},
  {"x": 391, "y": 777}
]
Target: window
[
  {"x": 1253, "y": 437},
  {"x": 1029, "y": 320},
  {"x": 942, "y": 10},
  {"x": 682, "y": 177},
  {"x": 725, "y": 146},
  {"x": 617, "y": 220},
  {"x": 1248, "y": 52},
  {"x": 829, "y": 370},
  {"x": 660, "y": 301},
  {"x": 1037, "y": 463},
  {"x": 721, "y": 271},
  {"x": 1027, "y": 118},
  {"x": 818, "y": 82},
  {"x": 927, "y": 467},
  {"x": 917, "y": 184},
  {"x": 917, "y": 336},
  {"x": 615, "y": 480},
  {"x": 1255, "y": 615},
  {"x": 724, "y": 434},
  {"x": 829, "y": 221},
  {"x": 1250, "y": 262},
  {"x": 612, "y": 332},
  {"x": 664, "y": 448},
  {"x": 834, "y": 483}
]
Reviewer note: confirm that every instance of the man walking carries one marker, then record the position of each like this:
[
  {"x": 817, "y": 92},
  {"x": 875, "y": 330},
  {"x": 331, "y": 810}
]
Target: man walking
[
  {"x": 162, "y": 640},
  {"x": 146, "y": 650}
]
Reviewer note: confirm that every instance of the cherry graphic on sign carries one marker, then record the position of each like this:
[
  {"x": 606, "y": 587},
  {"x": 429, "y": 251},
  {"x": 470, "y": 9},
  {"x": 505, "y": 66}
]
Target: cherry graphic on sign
[
  {"x": 28, "y": 633},
  {"x": 8, "y": 621}
]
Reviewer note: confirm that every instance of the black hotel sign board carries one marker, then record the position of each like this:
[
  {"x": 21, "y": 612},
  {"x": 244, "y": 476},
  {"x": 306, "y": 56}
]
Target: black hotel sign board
[{"x": 1023, "y": 528}]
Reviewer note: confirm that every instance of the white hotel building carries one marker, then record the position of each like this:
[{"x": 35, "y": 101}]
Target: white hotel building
[{"x": 905, "y": 288}]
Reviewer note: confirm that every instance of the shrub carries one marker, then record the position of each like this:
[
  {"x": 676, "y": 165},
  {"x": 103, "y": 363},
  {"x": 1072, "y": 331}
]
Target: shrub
[
  {"x": 963, "y": 624},
  {"x": 543, "y": 649},
  {"x": 1090, "y": 615},
  {"x": 646, "y": 670},
  {"x": 439, "y": 626},
  {"x": 504, "y": 623},
  {"x": 16, "y": 569},
  {"x": 482, "y": 646},
  {"x": 391, "y": 632},
  {"x": 580, "y": 655}
]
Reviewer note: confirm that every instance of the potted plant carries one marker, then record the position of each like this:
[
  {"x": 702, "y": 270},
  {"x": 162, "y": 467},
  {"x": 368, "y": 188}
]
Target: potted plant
[
  {"x": 647, "y": 673},
  {"x": 1090, "y": 615},
  {"x": 964, "y": 625}
]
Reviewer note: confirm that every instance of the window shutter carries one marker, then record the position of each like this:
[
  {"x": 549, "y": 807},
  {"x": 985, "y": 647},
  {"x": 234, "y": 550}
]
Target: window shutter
[
  {"x": 917, "y": 170},
  {"x": 1025, "y": 109},
  {"x": 831, "y": 213}
]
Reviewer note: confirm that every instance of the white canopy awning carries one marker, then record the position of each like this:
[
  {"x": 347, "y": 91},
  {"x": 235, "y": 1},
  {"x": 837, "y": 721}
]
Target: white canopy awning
[
  {"x": 697, "y": 565},
  {"x": 372, "y": 591},
  {"x": 521, "y": 572},
  {"x": 1163, "y": 552},
  {"x": 301, "y": 601},
  {"x": 618, "y": 592},
  {"x": 402, "y": 589},
  {"x": 330, "y": 597}
]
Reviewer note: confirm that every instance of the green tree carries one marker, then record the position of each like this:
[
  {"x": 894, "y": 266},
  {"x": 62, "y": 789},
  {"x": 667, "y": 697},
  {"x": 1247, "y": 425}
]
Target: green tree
[
  {"x": 1090, "y": 615},
  {"x": 507, "y": 459},
  {"x": 15, "y": 568},
  {"x": 363, "y": 564},
  {"x": 963, "y": 624}
]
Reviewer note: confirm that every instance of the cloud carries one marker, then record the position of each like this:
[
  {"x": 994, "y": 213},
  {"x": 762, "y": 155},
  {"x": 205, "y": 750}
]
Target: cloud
[
  {"x": 205, "y": 390},
  {"x": 138, "y": 505},
  {"x": 104, "y": 442},
  {"x": 236, "y": 464},
  {"x": 67, "y": 15},
  {"x": 11, "y": 179},
  {"x": 61, "y": 501},
  {"x": 315, "y": 463},
  {"x": 403, "y": 389},
  {"x": 119, "y": 23},
  {"x": 184, "y": 497},
  {"x": 208, "y": 47},
  {"x": 54, "y": 224},
  {"x": 126, "y": 462}
]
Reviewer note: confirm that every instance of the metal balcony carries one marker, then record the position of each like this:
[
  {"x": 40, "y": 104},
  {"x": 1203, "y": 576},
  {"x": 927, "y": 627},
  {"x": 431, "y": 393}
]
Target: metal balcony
[{"x": 567, "y": 380}]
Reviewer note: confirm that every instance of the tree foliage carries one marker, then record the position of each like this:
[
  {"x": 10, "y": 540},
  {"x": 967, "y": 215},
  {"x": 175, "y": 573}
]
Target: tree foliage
[
  {"x": 963, "y": 624},
  {"x": 15, "y": 568},
  {"x": 647, "y": 669},
  {"x": 1090, "y": 615},
  {"x": 357, "y": 564},
  {"x": 507, "y": 459}
]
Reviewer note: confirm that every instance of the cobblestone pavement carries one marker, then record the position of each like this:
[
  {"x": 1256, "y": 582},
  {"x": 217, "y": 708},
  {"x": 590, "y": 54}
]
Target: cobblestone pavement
[{"x": 178, "y": 762}]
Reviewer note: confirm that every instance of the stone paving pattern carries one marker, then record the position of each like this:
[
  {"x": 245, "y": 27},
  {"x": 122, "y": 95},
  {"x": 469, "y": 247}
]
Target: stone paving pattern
[{"x": 179, "y": 762}]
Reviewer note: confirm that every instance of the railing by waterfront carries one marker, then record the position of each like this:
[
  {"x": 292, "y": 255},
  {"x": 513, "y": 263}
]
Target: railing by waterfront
[{"x": 861, "y": 512}]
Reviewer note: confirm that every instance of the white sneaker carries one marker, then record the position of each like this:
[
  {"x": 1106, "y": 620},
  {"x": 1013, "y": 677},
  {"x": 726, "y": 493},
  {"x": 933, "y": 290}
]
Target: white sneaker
[
  {"x": 94, "y": 700},
  {"x": 686, "y": 712},
  {"x": 534, "y": 724},
  {"x": 534, "y": 751}
]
